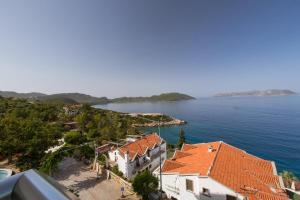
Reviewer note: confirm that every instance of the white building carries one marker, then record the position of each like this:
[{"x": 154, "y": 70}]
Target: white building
[
  {"x": 219, "y": 171},
  {"x": 139, "y": 155},
  {"x": 72, "y": 110}
]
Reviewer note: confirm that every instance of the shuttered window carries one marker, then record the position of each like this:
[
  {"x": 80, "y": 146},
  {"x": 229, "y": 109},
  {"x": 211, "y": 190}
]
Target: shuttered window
[{"x": 189, "y": 185}]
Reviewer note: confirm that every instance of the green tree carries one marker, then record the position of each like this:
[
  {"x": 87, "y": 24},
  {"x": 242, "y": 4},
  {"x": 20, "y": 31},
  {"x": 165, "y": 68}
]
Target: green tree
[
  {"x": 50, "y": 162},
  {"x": 288, "y": 177},
  {"x": 74, "y": 137},
  {"x": 181, "y": 138},
  {"x": 144, "y": 183}
]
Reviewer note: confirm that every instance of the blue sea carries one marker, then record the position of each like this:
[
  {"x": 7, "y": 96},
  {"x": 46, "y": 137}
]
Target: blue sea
[{"x": 268, "y": 127}]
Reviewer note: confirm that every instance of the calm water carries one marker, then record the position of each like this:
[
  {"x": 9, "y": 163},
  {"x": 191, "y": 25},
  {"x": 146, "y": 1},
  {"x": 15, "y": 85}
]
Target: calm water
[{"x": 268, "y": 127}]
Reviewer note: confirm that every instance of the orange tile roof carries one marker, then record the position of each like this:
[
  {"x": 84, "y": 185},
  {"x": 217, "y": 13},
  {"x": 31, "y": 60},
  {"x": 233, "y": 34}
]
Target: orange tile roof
[
  {"x": 244, "y": 173},
  {"x": 189, "y": 158},
  {"x": 140, "y": 146}
]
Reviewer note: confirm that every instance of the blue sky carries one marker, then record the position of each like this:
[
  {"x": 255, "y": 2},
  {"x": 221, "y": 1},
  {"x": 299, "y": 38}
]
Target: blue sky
[{"x": 132, "y": 48}]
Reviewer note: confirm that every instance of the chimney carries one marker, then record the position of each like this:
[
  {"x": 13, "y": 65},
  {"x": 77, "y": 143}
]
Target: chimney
[
  {"x": 210, "y": 148},
  {"x": 127, "y": 156}
]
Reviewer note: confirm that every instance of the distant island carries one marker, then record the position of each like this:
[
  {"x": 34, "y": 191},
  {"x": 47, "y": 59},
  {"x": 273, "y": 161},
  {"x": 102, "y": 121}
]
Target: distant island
[
  {"x": 272, "y": 92},
  {"x": 73, "y": 98}
]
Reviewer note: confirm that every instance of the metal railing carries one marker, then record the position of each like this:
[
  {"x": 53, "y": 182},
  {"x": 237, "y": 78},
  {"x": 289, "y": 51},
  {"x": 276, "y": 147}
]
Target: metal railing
[{"x": 30, "y": 185}]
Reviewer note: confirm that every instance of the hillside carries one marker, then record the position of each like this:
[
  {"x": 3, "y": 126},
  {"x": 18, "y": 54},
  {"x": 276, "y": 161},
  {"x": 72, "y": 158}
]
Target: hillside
[
  {"x": 162, "y": 97},
  {"x": 7, "y": 94},
  {"x": 75, "y": 97},
  {"x": 71, "y": 98},
  {"x": 272, "y": 92}
]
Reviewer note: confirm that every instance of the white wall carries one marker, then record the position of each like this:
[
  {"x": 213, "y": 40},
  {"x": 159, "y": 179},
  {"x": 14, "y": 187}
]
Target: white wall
[
  {"x": 128, "y": 168},
  {"x": 112, "y": 155},
  {"x": 175, "y": 186}
]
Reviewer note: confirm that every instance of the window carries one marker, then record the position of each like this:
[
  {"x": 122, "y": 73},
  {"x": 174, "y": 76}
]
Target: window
[
  {"x": 189, "y": 185},
  {"x": 229, "y": 197},
  {"x": 205, "y": 192}
]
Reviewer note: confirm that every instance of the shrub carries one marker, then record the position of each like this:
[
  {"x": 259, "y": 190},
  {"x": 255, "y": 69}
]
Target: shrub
[
  {"x": 116, "y": 171},
  {"x": 74, "y": 137},
  {"x": 87, "y": 152},
  {"x": 144, "y": 183}
]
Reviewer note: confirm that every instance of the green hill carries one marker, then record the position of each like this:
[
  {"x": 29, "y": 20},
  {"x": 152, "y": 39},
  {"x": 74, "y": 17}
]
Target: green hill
[
  {"x": 162, "y": 97},
  {"x": 76, "y": 97},
  {"x": 72, "y": 98},
  {"x": 7, "y": 94}
]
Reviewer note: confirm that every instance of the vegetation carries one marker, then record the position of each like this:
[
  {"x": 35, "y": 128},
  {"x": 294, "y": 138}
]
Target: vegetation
[
  {"x": 116, "y": 171},
  {"x": 296, "y": 197},
  {"x": 102, "y": 159},
  {"x": 162, "y": 97},
  {"x": 144, "y": 183},
  {"x": 142, "y": 119},
  {"x": 181, "y": 138},
  {"x": 50, "y": 161},
  {"x": 288, "y": 177},
  {"x": 71, "y": 98},
  {"x": 170, "y": 150},
  {"x": 28, "y": 129},
  {"x": 75, "y": 97},
  {"x": 74, "y": 137}
]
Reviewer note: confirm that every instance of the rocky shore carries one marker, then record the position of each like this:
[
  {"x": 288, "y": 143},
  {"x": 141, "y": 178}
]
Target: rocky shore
[{"x": 154, "y": 123}]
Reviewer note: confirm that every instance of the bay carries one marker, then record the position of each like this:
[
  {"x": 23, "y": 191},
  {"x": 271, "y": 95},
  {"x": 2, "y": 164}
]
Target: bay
[{"x": 267, "y": 127}]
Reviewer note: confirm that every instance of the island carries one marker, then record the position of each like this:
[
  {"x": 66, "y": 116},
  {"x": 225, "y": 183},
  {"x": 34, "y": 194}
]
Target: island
[
  {"x": 73, "y": 98},
  {"x": 271, "y": 92}
]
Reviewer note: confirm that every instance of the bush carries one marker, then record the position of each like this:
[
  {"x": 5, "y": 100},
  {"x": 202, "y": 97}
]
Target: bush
[
  {"x": 87, "y": 152},
  {"x": 50, "y": 161},
  {"x": 74, "y": 137},
  {"x": 102, "y": 159},
  {"x": 116, "y": 171},
  {"x": 144, "y": 183}
]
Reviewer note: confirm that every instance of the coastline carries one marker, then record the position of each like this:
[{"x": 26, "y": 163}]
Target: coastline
[{"x": 154, "y": 123}]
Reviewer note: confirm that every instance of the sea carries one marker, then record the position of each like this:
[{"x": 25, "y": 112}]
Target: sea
[{"x": 267, "y": 127}]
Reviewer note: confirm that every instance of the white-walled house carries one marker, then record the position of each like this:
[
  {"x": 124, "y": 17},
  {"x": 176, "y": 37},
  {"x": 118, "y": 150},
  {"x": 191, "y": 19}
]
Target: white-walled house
[
  {"x": 219, "y": 171},
  {"x": 139, "y": 155}
]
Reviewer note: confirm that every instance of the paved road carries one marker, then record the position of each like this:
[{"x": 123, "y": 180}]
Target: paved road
[{"x": 80, "y": 178}]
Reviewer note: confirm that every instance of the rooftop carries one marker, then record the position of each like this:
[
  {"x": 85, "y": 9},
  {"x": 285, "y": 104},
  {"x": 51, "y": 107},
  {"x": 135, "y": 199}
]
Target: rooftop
[
  {"x": 246, "y": 174},
  {"x": 140, "y": 146}
]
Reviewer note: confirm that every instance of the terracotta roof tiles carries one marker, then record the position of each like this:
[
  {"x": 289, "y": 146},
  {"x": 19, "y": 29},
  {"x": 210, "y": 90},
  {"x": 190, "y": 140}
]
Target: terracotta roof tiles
[
  {"x": 140, "y": 146},
  {"x": 244, "y": 173}
]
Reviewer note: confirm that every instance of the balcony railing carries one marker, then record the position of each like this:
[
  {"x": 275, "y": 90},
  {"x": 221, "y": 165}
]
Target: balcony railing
[{"x": 32, "y": 184}]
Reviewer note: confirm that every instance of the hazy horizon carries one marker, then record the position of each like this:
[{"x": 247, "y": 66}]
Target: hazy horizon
[{"x": 142, "y": 48}]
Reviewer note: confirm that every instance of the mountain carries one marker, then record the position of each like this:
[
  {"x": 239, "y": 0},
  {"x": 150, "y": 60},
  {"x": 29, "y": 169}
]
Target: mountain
[
  {"x": 30, "y": 95},
  {"x": 272, "y": 92},
  {"x": 71, "y": 98},
  {"x": 173, "y": 96},
  {"x": 76, "y": 97}
]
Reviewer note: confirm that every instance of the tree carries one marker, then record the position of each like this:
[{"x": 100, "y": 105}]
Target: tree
[
  {"x": 50, "y": 162},
  {"x": 288, "y": 177},
  {"x": 181, "y": 138},
  {"x": 74, "y": 137},
  {"x": 144, "y": 183}
]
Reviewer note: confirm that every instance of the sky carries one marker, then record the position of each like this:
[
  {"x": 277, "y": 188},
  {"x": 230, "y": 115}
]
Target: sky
[{"x": 139, "y": 48}]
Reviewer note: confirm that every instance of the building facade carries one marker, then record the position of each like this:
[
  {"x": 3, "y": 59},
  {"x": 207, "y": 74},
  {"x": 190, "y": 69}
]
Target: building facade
[
  {"x": 220, "y": 171},
  {"x": 142, "y": 154}
]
